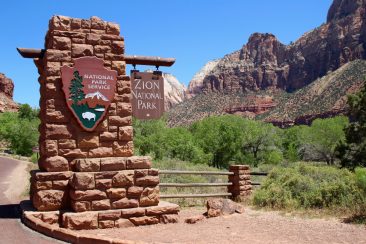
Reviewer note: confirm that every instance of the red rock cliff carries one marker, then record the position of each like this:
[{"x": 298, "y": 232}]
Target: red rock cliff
[
  {"x": 265, "y": 63},
  {"x": 6, "y": 95}
]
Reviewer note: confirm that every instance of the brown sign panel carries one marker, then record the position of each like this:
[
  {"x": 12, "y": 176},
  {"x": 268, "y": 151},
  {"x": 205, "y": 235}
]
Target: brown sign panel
[
  {"x": 147, "y": 95},
  {"x": 89, "y": 89}
]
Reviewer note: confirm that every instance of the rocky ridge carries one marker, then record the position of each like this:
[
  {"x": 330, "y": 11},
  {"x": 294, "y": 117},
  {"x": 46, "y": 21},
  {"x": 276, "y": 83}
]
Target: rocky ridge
[
  {"x": 265, "y": 63},
  {"x": 174, "y": 91},
  {"x": 268, "y": 80},
  {"x": 6, "y": 95},
  {"x": 323, "y": 98}
]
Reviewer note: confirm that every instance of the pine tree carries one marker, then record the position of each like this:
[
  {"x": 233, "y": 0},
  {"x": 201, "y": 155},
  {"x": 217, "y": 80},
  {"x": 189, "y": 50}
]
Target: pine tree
[
  {"x": 76, "y": 88},
  {"x": 353, "y": 152}
]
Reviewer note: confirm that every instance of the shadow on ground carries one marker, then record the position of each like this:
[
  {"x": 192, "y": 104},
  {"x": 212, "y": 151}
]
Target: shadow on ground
[{"x": 10, "y": 211}]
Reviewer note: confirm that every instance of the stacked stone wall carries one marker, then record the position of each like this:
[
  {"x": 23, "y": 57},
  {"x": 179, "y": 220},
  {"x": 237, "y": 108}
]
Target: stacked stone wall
[{"x": 90, "y": 172}]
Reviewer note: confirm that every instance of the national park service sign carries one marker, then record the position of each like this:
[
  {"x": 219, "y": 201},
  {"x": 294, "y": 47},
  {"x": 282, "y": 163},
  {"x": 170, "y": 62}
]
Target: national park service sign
[{"x": 89, "y": 89}]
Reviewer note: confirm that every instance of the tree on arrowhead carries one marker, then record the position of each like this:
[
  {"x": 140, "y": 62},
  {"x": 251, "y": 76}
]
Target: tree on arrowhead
[{"x": 76, "y": 88}]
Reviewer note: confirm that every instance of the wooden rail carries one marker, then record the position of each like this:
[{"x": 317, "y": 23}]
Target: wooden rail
[
  {"x": 194, "y": 184},
  {"x": 179, "y": 172},
  {"x": 196, "y": 195},
  {"x": 259, "y": 173}
]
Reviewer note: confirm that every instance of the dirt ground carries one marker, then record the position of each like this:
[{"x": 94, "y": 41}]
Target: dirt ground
[{"x": 251, "y": 227}]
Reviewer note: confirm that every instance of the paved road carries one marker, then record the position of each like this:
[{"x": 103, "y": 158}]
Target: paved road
[{"x": 12, "y": 231}]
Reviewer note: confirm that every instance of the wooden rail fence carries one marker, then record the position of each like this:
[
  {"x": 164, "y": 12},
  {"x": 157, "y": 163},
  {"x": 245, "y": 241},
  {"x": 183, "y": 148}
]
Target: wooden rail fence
[{"x": 235, "y": 176}]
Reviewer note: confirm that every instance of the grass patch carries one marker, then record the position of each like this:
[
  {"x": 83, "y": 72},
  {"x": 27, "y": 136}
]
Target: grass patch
[{"x": 312, "y": 190}]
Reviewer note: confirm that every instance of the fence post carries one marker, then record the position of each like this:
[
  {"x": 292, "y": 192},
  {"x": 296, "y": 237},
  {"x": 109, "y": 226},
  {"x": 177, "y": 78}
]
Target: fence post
[{"x": 241, "y": 185}]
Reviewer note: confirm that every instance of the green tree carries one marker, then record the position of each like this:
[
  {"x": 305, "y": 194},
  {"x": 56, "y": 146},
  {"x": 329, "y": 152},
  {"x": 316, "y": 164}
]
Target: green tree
[
  {"x": 27, "y": 112},
  {"x": 220, "y": 136},
  {"x": 76, "y": 88},
  {"x": 21, "y": 133},
  {"x": 323, "y": 136},
  {"x": 352, "y": 151},
  {"x": 260, "y": 138}
]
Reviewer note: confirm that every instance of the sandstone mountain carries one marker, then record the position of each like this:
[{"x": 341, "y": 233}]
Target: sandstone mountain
[
  {"x": 260, "y": 76},
  {"x": 174, "y": 91},
  {"x": 325, "y": 97},
  {"x": 266, "y": 63},
  {"x": 6, "y": 95}
]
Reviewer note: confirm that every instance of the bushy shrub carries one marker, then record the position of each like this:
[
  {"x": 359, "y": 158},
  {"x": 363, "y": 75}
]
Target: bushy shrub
[{"x": 306, "y": 186}]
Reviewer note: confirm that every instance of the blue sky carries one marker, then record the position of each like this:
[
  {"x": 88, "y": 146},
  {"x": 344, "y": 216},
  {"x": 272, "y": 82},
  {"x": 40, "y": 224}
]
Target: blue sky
[{"x": 192, "y": 31}]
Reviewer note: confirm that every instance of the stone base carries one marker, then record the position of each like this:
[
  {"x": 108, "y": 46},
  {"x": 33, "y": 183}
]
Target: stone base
[{"x": 163, "y": 213}]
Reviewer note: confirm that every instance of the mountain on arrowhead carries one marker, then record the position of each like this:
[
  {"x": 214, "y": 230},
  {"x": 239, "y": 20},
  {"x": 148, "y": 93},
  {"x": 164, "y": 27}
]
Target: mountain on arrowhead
[{"x": 97, "y": 95}]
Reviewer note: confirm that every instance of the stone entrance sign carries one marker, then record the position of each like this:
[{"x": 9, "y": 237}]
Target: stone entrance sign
[
  {"x": 89, "y": 177},
  {"x": 89, "y": 90},
  {"x": 147, "y": 95}
]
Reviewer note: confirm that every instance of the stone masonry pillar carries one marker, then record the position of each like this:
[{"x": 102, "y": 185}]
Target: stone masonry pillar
[
  {"x": 88, "y": 171},
  {"x": 241, "y": 185}
]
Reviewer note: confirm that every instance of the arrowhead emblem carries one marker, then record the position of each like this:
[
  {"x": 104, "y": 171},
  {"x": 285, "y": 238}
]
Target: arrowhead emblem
[{"x": 89, "y": 88}]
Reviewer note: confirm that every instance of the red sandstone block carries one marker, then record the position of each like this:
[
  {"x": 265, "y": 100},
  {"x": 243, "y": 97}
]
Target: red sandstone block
[
  {"x": 83, "y": 181},
  {"x": 113, "y": 164},
  {"x": 102, "y": 49},
  {"x": 61, "y": 43},
  {"x": 49, "y": 200},
  {"x": 125, "y": 133},
  {"x": 53, "y": 68},
  {"x": 87, "y": 164},
  {"x": 43, "y": 185},
  {"x": 101, "y": 152},
  {"x": 51, "y": 218},
  {"x": 139, "y": 162},
  {"x": 88, "y": 141},
  {"x": 124, "y": 109},
  {"x": 53, "y": 131},
  {"x": 163, "y": 208},
  {"x": 145, "y": 220},
  {"x": 104, "y": 204},
  {"x": 118, "y": 47},
  {"x": 81, "y": 50},
  {"x": 103, "y": 184},
  {"x": 99, "y": 32},
  {"x": 60, "y": 184},
  {"x": 54, "y": 55},
  {"x": 116, "y": 193},
  {"x": 125, "y": 203},
  {"x": 73, "y": 153},
  {"x": 109, "y": 215},
  {"x": 149, "y": 197},
  {"x": 108, "y": 136},
  {"x": 93, "y": 39},
  {"x": 134, "y": 191},
  {"x": 147, "y": 181},
  {"x": 80, "y": 221},
  {"x": 67, "y": 143},
  {"x": 88, "y": 195},
  {"x": 112, "y": 37},
  {"x": 104, "y": 224},
  {"x": 49, "y": 148},
  {"x": 112, "y": 28},
  {"x": 132, "y": 212},
  {"x": 75, "y": 24},
  {"x": 97, "y": 23},
  {"x": 169, "y": 218},
  {"x": 80, "y": 206},
  {"x": 105, "y": 175},
  {"x": 46, "y": 176},
  {"x": 123, "y": 178},
  {"x": 123, "y": 223},
  {"x": 120, "y": 121},
  {"x": 54, "y": 164},
  {"x": 123, "y": 149},
  {"x": 59, "y": 22}
]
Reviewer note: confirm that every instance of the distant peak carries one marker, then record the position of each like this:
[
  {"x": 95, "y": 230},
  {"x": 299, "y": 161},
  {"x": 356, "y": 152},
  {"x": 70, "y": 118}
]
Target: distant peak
[{"x": 343, "y": 8}]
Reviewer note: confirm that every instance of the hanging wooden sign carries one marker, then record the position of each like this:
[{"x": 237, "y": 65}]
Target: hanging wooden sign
[
  {"x": 89, "y": 89},
  {"x": 147, "y": 94}
]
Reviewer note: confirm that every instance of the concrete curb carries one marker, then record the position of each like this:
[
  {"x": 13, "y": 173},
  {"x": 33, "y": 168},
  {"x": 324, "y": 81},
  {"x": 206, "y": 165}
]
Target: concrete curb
[{"x": 64, "y": 234}]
